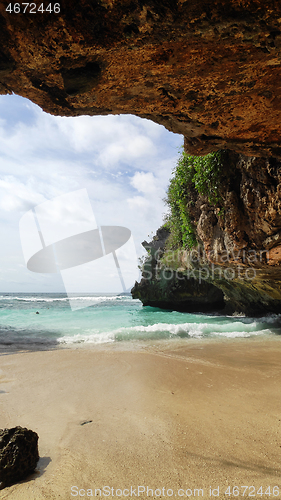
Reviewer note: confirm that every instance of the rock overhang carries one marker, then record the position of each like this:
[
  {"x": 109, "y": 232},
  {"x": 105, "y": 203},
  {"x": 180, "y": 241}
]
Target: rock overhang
[{"x": 210, "y": 70}]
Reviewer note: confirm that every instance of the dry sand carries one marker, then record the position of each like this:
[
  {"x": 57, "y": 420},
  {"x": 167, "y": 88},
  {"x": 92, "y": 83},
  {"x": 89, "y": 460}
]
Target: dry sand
[{"x": 184, "y": 416}]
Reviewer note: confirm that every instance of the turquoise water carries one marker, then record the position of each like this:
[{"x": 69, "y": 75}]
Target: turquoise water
[{"x": 111, "y": 318}]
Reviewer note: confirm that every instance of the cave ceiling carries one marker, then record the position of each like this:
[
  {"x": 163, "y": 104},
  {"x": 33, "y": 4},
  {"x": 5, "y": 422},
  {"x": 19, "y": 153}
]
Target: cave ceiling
[{"x": 209, "y": 70}]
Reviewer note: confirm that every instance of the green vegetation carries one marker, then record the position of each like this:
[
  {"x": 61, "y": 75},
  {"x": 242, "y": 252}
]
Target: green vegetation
[{"x": 192, "y": 175}]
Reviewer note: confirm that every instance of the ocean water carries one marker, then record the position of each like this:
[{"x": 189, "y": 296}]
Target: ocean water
[{"x": 111, "y": 318}]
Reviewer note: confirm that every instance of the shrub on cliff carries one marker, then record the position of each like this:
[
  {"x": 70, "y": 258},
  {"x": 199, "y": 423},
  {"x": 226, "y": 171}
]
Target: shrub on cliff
[{"x": 193, "y": 174}]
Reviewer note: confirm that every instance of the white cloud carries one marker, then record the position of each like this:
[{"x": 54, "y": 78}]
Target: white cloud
[
  {"x": 124, "y": 162},
  {"x": 138, "y": 202},
  {"x": 16, "y": 196},
  {"x": 145, "y": 182}
]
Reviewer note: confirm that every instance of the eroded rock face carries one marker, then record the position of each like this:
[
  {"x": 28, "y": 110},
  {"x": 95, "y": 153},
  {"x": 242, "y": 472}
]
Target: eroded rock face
[
  {"x": 18, "y": 454},
  {"x": 243, "y": 245},
  {"x": 171, "y": 289},
  {"x": 184, "y": 294},
  {"x": 208, "y": 69},
  {"x": 250, "y": 218},
  {"x": 239, "y": 246}
]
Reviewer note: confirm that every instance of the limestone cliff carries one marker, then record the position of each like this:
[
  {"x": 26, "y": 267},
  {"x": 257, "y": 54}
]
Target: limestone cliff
[
  {"x": 169, "y": 289},
  {"x": 208, "y": 69},
  {"x": 246, "y": 240},
  {"x": 239, "y": 243}
]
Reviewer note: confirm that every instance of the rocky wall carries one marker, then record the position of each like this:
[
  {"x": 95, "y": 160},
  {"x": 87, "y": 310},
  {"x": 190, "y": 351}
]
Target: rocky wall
[{"x": 207, "y": 69}]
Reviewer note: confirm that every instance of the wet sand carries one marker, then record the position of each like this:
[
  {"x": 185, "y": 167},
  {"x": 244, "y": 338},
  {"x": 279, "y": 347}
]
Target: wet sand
[{"x": 175, "y": 418}]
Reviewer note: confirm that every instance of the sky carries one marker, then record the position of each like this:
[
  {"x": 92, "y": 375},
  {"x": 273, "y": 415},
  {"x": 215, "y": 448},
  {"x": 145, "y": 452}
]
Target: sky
[{"x": 123, "y": 163}]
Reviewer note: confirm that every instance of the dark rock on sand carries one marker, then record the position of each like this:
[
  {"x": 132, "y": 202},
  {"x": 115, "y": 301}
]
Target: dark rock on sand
[{"x": 18, "y": 454}]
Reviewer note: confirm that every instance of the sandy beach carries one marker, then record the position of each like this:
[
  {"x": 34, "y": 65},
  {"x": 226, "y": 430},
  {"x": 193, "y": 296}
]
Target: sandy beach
[{"x": 178, "y": 418}]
